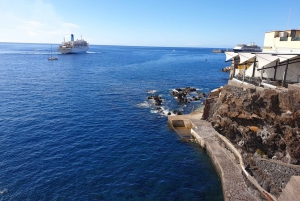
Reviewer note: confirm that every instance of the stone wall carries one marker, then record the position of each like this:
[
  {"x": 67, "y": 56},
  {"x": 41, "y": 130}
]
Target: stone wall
[{"x": 273, "y": 176}]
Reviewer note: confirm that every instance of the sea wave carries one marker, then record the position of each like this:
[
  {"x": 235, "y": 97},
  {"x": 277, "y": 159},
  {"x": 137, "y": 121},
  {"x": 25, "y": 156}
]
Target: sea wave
[
  {"x": 145, "y": 104},
  {"x": 151, "y": 91},
  {"x": 93, "y": 52},
  {"x": 3, "y": 191}
]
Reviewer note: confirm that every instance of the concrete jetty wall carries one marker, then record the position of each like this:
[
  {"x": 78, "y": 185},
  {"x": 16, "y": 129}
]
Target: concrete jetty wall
[{"x": 228, "y": 164}]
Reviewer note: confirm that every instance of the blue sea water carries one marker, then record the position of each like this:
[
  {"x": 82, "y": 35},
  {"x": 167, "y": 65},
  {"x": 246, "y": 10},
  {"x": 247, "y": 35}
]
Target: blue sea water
[{"x": 81, "y": 127}]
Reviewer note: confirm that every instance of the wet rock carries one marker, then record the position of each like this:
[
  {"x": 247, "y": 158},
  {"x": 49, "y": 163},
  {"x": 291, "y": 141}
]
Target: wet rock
[
  {"x": 157, "y": 99},
  {"x": 181, "y": 93},
  {"x": 176, "y": 112},
  {"x": 226, "y": 69}
]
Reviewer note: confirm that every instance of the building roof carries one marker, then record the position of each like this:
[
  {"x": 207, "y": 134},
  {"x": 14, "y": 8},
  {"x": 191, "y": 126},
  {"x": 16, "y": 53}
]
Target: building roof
[
  {"x": 283, "y": 30},
  {"x": 230, "y": 55},
  {"x": 245, "y": 57},
  {"x": 263, "y": 58}
]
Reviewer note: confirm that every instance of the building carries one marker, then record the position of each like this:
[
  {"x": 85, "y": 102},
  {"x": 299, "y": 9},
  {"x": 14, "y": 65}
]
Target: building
[{"x": 278, "y": 65}]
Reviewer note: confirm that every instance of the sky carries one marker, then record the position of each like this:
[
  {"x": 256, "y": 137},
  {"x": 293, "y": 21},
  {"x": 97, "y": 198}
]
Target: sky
[{"x": 169, "y": 23}]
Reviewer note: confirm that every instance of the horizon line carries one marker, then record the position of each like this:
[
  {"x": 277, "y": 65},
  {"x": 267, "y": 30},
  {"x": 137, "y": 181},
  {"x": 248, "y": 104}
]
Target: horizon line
[{"x": 122, "y": 45}]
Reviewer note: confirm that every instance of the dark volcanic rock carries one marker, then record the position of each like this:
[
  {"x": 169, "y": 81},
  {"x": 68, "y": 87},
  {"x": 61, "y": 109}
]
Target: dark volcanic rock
[
  {"x": 264, "y": 124},
  {"x": 266, "y": 120},
  {"x": 181, "y": 93},
  {"x": 177, "y": 112},
  {"x": 157, "y": 99}
]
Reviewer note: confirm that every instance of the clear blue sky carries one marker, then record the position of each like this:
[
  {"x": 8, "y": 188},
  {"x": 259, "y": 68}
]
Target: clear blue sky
[{"x": 188, "y": 23}]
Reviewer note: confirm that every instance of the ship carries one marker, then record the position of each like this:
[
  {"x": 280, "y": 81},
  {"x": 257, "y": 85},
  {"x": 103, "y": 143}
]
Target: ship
[
  {"x": 247, "y": 48},
  {"x": 218, "y": 51},
  {"x": 72, "y": 46}
]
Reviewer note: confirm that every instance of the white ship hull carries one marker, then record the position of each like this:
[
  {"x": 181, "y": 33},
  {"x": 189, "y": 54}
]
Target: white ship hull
[
  {"x": 73, "y": 46},
  {"x": 67, "y": 50},
  {"x": 247, "y": 48}
]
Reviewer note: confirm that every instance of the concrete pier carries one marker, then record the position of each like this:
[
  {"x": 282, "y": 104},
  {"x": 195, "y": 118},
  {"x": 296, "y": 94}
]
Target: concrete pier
[{"x": 237, "y": 184}]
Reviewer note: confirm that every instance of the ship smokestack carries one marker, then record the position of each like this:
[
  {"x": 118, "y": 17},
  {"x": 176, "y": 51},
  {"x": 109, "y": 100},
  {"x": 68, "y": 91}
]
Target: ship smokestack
[{"x": 72, "y": 37}]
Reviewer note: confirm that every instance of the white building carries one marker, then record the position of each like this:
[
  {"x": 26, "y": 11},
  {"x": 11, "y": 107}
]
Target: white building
[{"x": 278, "y": 64}]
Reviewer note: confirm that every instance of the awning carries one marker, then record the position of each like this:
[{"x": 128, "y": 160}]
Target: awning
[
  {"x": 230, "y": 55},
  {"x": 265, "y": 59},
  {"x": 245, "y": 57},
  {"x": 283, "y": 58}
]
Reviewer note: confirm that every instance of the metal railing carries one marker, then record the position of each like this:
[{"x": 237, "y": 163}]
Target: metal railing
[{"x": 251, "y": 80}]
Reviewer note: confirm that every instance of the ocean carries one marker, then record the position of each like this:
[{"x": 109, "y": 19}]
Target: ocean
[{"x": 82, "y": 127}]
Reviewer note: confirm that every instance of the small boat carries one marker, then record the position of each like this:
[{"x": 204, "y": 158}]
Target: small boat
[
  {"x": 218, "y": 51},
  {"x": 51, "y": 57}
]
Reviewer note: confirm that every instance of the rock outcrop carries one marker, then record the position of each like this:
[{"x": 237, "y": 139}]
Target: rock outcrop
[
  {"x": 268, "y": 120},
  {"x": 226, "y": 69},
  {"x": 262, "y": 124},
  {"x": 182, "y": 93}
]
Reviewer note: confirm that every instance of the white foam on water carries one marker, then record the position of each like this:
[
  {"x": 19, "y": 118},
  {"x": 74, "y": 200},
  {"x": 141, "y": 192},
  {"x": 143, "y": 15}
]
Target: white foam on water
[
  {"x": 93, "y": 52},
  {"x": 3, "y": 191},
  {"x": 154, "y": 111},
  {"x": 144, "y": 104},
  {"x": 151, "y": 101},
  {"x": 165, "y": 112},
  {"x": 151, "y": 91}
]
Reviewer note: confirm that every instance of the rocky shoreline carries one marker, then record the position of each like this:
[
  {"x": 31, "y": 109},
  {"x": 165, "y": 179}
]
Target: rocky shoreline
[
  {"x": 264, "y": 125},
  {"x": 182, "y": 95},
  {"x": 259, "y": 129}
]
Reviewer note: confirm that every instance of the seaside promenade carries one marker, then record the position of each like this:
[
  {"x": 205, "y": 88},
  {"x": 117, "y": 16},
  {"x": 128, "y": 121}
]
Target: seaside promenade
[{"x": 237, "y": 184}]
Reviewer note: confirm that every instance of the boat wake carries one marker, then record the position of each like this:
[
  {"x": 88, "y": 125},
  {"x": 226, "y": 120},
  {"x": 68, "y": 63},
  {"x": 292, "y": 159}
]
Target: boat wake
[{"x": 93, "y": 52}]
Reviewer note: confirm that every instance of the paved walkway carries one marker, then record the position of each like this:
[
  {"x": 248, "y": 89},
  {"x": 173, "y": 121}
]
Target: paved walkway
[
  {"x": 292, "y": 190},
  {"x": 233, "y": 183}
]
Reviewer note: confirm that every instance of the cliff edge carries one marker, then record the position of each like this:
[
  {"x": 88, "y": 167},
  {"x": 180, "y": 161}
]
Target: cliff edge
[{"x": 264, "y": 125}]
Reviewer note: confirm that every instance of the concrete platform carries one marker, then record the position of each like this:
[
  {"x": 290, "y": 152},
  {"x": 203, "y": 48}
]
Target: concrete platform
[{"x": 182, "y": 124}]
